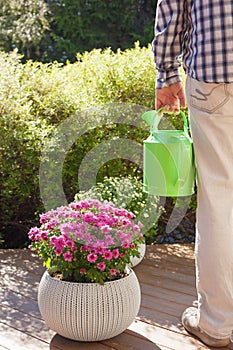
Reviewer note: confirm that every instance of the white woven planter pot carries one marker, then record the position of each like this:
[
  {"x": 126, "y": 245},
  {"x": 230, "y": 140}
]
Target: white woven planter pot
[
  {"x": 89, "y": 311},
  {"x": 142, "y": 250}
]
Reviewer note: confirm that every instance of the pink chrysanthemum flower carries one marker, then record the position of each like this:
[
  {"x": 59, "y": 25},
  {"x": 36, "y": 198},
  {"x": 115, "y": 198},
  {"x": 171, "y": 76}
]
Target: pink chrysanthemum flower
[
  {"x": 89, "y": 238},
  {"x": 44, "y": 235},
  {"x": 68, "y": 256},
  {"x": 115, "y": 253},
  {"x": 107, "y": 255},
  {"x": 58, "y": 251},
  {"x": 101, "y": 266},
  {"x": 92, "y": 257}
]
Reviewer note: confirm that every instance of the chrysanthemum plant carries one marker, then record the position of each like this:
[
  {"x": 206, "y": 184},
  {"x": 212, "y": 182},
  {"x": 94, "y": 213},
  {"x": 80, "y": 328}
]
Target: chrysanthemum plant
[{"x": 87, "y": 241}]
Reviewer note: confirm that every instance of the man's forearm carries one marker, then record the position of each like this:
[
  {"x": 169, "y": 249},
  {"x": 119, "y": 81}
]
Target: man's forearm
[{"x": 170, "y": 28}]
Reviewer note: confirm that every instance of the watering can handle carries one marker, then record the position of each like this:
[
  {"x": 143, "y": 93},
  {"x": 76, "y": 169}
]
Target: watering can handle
[{"x": 154, "y": 117}]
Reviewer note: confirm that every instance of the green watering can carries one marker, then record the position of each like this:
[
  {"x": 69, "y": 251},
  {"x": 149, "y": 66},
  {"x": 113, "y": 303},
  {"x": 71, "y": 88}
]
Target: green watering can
[{"x": 168, "y": 159}]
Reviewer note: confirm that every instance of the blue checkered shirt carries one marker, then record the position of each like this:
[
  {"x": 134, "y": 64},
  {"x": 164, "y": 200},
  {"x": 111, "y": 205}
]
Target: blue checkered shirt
[{"x": 200, "y": 32}]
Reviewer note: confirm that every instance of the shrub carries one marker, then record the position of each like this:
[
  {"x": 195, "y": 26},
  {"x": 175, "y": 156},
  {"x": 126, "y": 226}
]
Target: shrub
[{"x": 36, "y": 98}]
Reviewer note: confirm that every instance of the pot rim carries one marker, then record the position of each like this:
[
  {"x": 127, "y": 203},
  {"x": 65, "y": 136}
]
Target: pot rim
[{"x": 129, "y": 272}]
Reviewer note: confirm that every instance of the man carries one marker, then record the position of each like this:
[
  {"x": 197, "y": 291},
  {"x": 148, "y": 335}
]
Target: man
[{"x": 202, "y": 31}]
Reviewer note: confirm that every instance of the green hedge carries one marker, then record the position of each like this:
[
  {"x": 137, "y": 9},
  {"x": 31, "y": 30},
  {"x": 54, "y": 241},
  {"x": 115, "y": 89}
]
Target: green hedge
[{"x": 36, "y": 98}]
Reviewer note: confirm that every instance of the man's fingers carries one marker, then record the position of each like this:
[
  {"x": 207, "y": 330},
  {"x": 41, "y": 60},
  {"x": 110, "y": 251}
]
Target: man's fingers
[
  {"x": 182, "y": 98},
  {"x": 158, "y": 104},
  {"x": 171, "y": 109},
  {"x": 171, "y": 98}
]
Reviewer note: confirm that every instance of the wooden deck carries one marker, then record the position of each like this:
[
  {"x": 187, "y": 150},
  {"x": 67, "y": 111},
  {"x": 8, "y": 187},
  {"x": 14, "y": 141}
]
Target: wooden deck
[{"x": 167, "y": 282}]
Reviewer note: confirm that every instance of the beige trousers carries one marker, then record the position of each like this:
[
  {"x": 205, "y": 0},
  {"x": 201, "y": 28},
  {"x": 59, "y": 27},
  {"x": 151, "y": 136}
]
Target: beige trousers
[{"x": 211, "y": 121}]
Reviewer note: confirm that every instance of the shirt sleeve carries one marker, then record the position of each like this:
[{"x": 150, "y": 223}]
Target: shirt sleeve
[{"x": 170, "y": 28}]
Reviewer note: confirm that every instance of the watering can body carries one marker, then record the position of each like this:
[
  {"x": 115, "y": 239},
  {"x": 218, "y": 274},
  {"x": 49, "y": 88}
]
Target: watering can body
[{"x": 168, "y": 160}]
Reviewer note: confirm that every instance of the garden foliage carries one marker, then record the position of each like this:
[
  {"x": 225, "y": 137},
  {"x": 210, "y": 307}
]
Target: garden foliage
[
  {"x": 35, "y": 98},
  {"x": 48, "y": 30}
]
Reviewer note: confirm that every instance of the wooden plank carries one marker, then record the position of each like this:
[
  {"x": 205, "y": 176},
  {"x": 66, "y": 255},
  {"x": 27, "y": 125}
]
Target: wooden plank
[
  {"x": 168, "y": 268},
  {"x": 129, "y": 340},
  {"x": 164, "y": 293},
  {"x": 158, "y": 318},
  {"x": 22, "y": 288},
  {"x": 21, "y": 272},
  {"x": 164, "y": 305},
  {"x": 156, "y": 254},
  {"x": 25, "y": 323},
  {"x": 163, "y": 277},
  {"x": 3, "y": 348},
  {"x": 21, "y": 258},
  {"x": 19, "y": 302},
  {"x": 171, "y": 251},
  {"x": 171, "y": 264},
  {"x": 168, "y": 294},
  {"x": 25, "y": 284},
  {"x": 13, "y": 339},
  {"x": 161, "y": 336},
  {"x": 157, "y": 279},
  {"x": 230, "y": 346},
  {"x": 62, "y": 343}
]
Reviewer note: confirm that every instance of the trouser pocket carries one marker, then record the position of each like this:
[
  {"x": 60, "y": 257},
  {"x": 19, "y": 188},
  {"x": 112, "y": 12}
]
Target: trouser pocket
[{"x": 208, "y": 97}]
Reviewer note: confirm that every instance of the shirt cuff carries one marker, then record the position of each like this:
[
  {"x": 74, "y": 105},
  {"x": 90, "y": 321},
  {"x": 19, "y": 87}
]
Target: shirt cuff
[{"x": 167, "y": 78}]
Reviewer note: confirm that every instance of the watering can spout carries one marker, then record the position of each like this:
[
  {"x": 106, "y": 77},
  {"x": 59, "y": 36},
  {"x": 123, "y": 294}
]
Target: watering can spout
[{"x": 152, "y": 118}]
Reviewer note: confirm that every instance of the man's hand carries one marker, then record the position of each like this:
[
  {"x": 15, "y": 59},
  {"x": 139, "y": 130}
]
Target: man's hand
[{"x": 171, "y": 98}]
